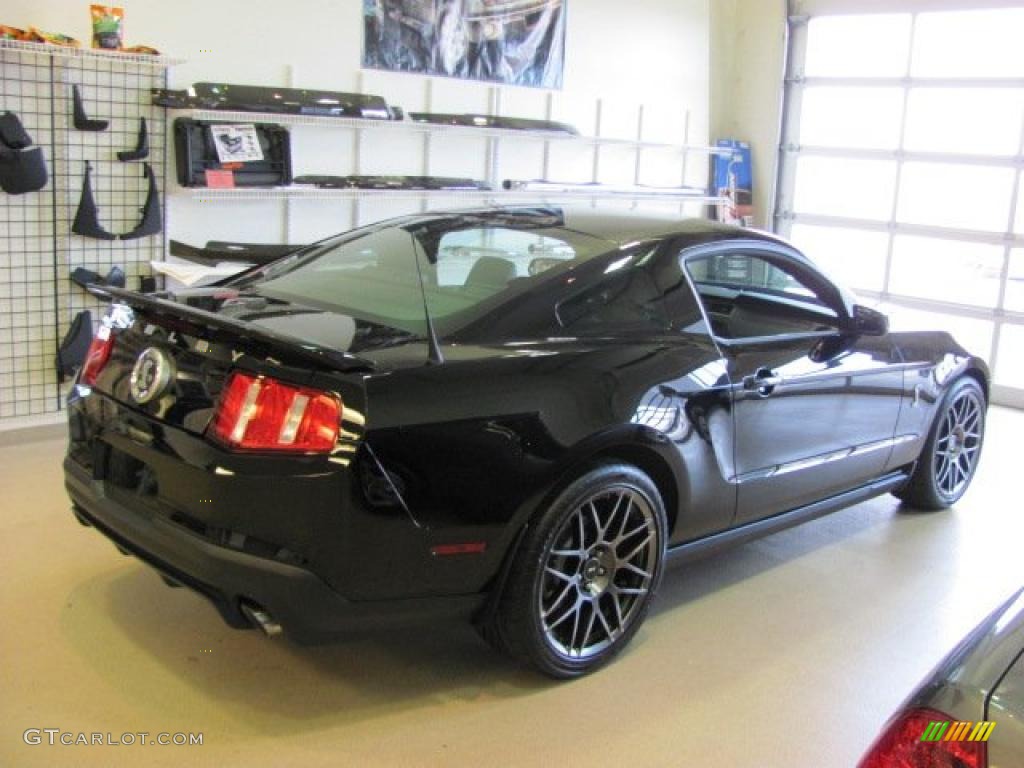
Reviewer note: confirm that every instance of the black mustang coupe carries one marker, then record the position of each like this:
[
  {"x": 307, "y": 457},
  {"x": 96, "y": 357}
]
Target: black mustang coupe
[{"x": 514, "y": 415}]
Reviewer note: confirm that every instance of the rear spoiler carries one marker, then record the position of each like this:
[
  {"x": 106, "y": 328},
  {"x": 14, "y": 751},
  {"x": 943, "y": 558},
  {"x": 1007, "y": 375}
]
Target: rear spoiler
[{"x": 292, "y": 346}]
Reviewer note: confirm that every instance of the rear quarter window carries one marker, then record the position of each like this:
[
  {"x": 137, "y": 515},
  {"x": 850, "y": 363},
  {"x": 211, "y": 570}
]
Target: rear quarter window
[{"x": 625, "y": 299}]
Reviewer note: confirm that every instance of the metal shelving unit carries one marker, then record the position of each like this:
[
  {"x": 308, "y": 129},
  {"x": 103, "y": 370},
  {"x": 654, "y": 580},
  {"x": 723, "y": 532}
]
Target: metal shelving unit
[
  {"x": 357, "y": 137},
  {"x": 496, "y": 196},
  {"x": 411, "y": 126},
  {"x": 364, "y": 131}
]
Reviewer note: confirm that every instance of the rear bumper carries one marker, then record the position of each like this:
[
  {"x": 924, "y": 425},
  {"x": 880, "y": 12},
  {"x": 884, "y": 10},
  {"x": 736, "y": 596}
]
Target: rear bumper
[{"x": 307, "y": 608}]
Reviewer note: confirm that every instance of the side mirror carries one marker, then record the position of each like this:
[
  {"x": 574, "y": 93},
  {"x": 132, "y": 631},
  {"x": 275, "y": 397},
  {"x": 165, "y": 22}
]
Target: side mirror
[{"x": 868, "y": 322}]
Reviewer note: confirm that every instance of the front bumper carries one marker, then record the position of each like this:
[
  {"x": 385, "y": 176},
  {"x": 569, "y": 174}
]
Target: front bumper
[{"x": 307, "y": 608}]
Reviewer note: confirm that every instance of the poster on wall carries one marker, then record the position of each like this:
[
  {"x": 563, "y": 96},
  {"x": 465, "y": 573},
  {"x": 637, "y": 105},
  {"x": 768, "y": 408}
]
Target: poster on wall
[{"x": 515, "y": 42}]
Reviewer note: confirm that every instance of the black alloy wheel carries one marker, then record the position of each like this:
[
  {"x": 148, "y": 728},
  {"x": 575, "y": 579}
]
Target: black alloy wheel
[
  {"x": 585, "y": 574},
  {"x": 599, "y": 572},
  {"x": 950, "y": 456},
  {"x": 959, "y": 444}
]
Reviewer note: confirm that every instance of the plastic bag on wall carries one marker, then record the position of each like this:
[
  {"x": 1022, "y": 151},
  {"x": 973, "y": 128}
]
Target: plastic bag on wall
[{"x": 518, "y": 42}]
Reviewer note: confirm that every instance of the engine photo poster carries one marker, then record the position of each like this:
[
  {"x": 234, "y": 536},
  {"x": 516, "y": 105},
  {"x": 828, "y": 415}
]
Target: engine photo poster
[{"x": 514, "y": 42}]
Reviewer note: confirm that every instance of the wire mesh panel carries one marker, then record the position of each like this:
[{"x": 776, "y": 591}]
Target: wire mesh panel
[
  {"x": 118, "y": 93},
  {"x": 38, "y": 249},
  {"x": 28, "y": 325}
]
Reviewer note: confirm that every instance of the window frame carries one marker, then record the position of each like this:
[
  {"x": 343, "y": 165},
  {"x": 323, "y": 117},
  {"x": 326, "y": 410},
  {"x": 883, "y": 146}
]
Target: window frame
[{"x": 788, "y": 260}]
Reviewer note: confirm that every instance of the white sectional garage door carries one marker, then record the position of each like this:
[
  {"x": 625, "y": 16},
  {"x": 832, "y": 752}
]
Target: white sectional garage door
[{"x": 901, "y": 165}]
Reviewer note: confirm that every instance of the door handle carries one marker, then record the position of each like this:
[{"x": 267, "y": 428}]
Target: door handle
[{"x": 763, "y": 381}]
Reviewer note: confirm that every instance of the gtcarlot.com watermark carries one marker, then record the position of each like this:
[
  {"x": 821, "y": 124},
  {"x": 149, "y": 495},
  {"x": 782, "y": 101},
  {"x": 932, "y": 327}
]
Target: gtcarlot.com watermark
[{"x": 57, "y": 737}]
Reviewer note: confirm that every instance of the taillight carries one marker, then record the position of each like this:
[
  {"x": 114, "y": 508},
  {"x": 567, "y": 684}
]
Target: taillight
[
  {"x": 917, "y": 739},
  {"x": 98, "y": 355},
  {"x": 258, "y": 413}
]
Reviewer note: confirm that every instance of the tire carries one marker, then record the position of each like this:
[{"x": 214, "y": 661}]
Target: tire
[
  {"x": 587, "y": 568},
  {"x": 950, "y": 455}
]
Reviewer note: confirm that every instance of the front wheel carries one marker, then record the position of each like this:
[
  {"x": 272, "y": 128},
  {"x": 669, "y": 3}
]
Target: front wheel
[
  {"x": 950, "y": 456},
  {"x": 583, "y": 580}
]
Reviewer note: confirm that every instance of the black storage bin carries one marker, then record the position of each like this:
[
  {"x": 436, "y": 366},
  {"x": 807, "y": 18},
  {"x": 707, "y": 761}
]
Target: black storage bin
[{"x": 195, "y": 154}]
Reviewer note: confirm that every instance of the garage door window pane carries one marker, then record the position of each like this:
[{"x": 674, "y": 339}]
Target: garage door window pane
[
  {"x": 957, "y": 196},
  {"x": 972, "y": 334},
  {"x": 1014, "y": 299},
  {"x": 836, "y": 45},
  {"x": 984, "y": 121},
  {"x": 861, "y": 189},
  {"x": 854, "y": 257},
  {"x": 1010, "y": 363},
  {"x": 982, "y": 43},
  {"x": 946, "y": 270},
  {"x": 851, "y": 117}
]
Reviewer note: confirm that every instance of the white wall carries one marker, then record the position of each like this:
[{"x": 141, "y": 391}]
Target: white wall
[
  {"x": 653, "y": 52},
  {"x": 747, "y": 54}
]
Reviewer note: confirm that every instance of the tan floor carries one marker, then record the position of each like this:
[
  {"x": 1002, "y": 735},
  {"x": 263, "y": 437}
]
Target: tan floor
[{"x": 789, "y": 652}]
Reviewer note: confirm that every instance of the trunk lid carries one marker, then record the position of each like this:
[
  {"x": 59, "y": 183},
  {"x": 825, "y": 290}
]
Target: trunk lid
[{"x": 200, "y": 336}]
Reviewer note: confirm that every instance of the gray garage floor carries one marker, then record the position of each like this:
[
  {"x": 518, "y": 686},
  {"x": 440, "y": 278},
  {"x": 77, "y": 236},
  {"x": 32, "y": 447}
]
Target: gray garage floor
[{"x": 787, "y": 652}]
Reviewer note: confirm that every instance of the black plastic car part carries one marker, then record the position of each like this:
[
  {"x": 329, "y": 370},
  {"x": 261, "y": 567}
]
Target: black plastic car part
[
  {"x": 12, "y": 133},
  {"x": 392, "y": 182},
  {"x": 87, "y": 221},
  {"x": 174, "y": 99},
  {"x": 22, "y": 170},
  {"x": 81, "y": 119},
  {"x": 141, "y": 151},
  {"x": 196, "y": 153},
  {"x": 152, "y": 219},
  {"x": 294, "y": 101},
  {"x": 22, "y": 166},
  {"x": 86, "y": 277},
  {"x": 87, "y": 217},
  {"x": 217, "y": 251},
  {"x": 493, "y": 121}
]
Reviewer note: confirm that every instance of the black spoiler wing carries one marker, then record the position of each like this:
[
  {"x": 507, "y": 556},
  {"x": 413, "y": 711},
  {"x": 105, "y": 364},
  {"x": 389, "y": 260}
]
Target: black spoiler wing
[{"x": 323, "y": 357}]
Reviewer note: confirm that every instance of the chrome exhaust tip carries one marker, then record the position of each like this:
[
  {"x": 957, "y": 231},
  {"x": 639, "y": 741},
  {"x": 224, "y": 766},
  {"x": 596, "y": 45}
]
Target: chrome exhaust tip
[{"x": 260, "y": 618}]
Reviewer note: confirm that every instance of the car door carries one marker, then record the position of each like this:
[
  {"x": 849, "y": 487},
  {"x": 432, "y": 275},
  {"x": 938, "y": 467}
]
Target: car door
[{"x": 814, "y": 407}]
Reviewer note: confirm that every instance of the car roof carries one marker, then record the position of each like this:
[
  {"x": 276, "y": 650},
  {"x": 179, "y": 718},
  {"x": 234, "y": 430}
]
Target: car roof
[{"x": 616, "y": 226}]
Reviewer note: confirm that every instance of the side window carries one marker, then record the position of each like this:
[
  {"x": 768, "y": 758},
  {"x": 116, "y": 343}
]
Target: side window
[
  {"x": 625, "y": 299},
  {"x": 747, "y": 296}
]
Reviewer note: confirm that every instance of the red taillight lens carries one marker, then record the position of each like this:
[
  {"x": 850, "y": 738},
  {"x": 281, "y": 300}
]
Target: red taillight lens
[
  {"x": 257, "y": 413},
  {"x": 900, "y": 744},
  {"x": 98, "y": 355}
]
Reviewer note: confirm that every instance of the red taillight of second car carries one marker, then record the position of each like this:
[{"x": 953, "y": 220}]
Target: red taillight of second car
[
  {"x": 98, "y": 355},
  {"x": 258, "y": 413},
  {"x": 900, "y": 745}
]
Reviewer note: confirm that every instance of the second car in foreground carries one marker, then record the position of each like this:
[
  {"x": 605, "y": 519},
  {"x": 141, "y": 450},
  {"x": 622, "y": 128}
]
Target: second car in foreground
[{"x": 969, "y": 712}]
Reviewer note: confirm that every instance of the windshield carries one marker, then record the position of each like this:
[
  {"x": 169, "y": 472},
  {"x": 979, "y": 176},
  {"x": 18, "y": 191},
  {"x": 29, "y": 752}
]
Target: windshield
[{"x": 469, "y": 264}]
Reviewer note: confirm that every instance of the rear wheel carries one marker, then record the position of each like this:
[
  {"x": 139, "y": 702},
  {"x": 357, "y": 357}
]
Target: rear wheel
[
  {"x": 950, "y": 456},
  {"x": 583, "y": 579}
]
